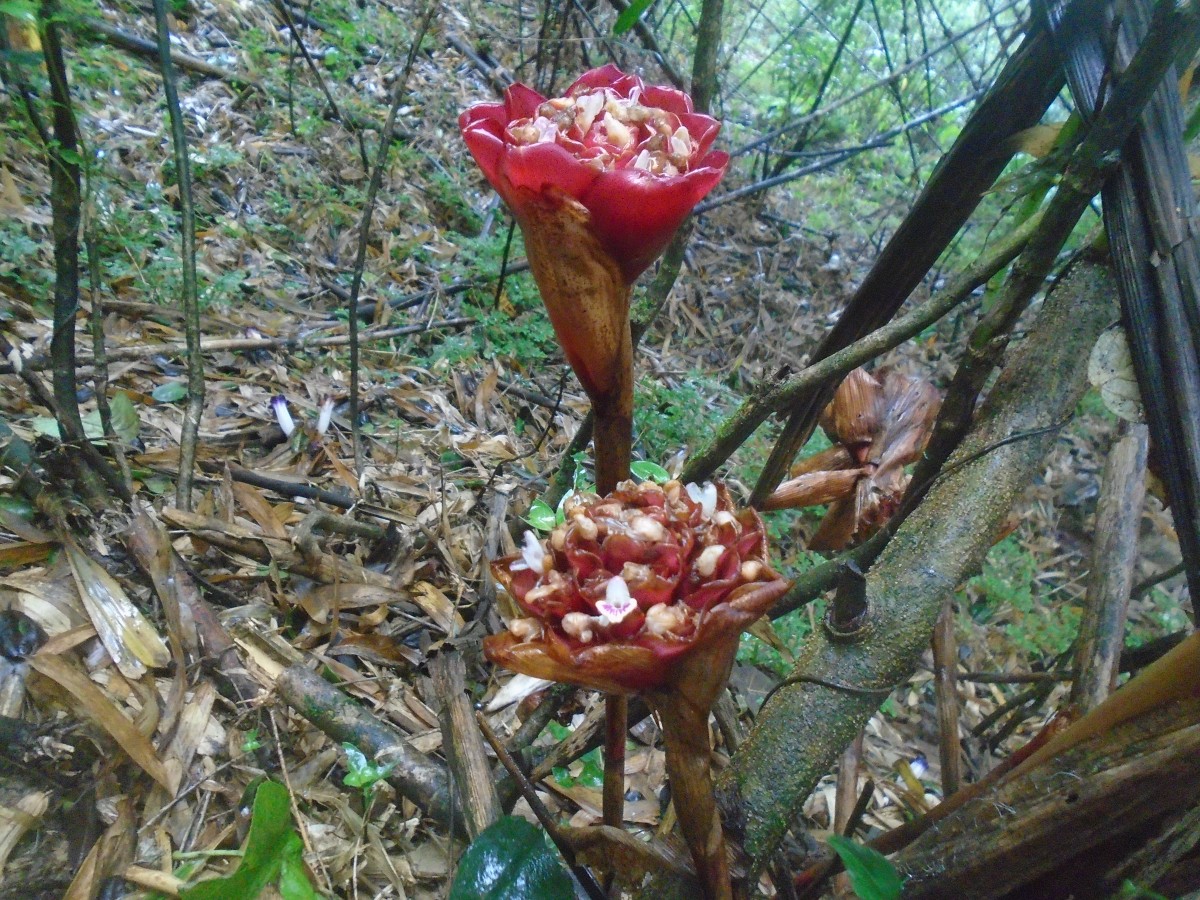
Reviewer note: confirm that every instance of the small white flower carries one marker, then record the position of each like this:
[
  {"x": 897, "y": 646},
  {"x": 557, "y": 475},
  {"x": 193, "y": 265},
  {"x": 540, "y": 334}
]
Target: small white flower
[
  {"x": 533, "y": 555},
  {"x": 617, "y": 602},
  {"x": 326, "y": 415},
  {"x": 280, "y": 406},
  {"x": 705, "y": 495}
]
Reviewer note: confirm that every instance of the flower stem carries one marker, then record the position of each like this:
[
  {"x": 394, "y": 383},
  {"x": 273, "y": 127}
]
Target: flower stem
[
  {"x": 683, "y": 711},
  {"x": 616, "y": 726},
  {"x": 613, "y": 433},
  {"x": 614, "y": 447}
]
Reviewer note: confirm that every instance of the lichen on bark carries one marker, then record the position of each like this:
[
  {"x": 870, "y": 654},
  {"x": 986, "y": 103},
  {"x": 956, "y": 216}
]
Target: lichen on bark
[{"x": 806, "y": 725}]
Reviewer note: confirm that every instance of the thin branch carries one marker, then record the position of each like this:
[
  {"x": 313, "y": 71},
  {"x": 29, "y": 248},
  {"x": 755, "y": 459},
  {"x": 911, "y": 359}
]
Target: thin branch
[
  {"x": 191, "y": 302},
  {"x": 768, "y": 399},
  {"x": 839, "y": 156},
  {"x": 859, "y": 94},
  {"x": 217, "y": 345},
  {"x": 364, "y": 233},
  {"x": 286, "y": 13}
]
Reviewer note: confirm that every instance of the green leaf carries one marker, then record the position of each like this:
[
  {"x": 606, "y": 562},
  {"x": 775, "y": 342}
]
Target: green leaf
[
  {"x": 628, "y": 18},
  {"x": 17, "y": 506},
  {"x": 169, "y": 392},
  {"x": 511, "y": 859},
  {"x": 293, "y": 877},
  {"x": 47, "y": 426},
  {"x": 19, "y": 9},
  {"x": 649, "y": 471},
  {"x": 124, "y": 414},
  {"x": 872, "y": 876},
  {"x": 579, "y": 480},
  {"x": 272, "y": 841},
  {"x": 560, "y": 514},
  {"x": 1193, "y": 125},
  {"x": 362, "y": 772},
  {"x": 541, "y": 516}
]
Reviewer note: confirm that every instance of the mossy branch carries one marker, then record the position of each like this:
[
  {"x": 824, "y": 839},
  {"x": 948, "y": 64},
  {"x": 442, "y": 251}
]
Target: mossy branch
[{"x": 807, "y": 724}]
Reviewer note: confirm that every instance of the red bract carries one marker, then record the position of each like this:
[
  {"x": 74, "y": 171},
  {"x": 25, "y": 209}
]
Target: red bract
[
  {"x": 636, "y": 157},
  {"x": 632, "y": 582}
]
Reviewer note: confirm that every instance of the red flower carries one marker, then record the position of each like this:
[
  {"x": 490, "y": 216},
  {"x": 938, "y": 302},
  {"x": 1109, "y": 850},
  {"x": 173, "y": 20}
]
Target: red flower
[
  {"x": 633, "y": 582},
  {"x": 636, "y": 157}
]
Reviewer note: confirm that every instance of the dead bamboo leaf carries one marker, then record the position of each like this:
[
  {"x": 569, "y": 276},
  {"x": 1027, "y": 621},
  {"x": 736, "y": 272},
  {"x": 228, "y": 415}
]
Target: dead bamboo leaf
[
  {"x": 437, "y": 606},
  {"x": 1110, "y": 370},
  {"x": 814, "y": 489},
  {"x": 324, "y": 599},
  {"x": 24, "y": 553},
  {"x": 18, "y": 819},
  {"x": 100, "y": 708},
  {"x": 130, "y": 639},
  {"x": 252, "y": 500},
  {"x": 516, "y": 689}
]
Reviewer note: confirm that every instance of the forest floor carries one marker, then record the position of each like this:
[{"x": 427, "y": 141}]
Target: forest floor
[{"x": 467, "y": 408}]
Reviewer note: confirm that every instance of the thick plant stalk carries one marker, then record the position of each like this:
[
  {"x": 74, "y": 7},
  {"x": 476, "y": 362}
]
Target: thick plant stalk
[
  {"x": 613, "y": 434},
  {"x": 613, "y": 414},
  {"x": 1057, "y": 831},
  {"x": 616, "y": 726},
  {"x": 1149, "y": 217},
  {"x": 683, "y": 711}
]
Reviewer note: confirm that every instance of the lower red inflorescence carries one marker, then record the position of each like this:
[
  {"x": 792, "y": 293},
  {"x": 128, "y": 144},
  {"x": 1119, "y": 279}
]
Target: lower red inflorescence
[{"x": 630, "y": 582}]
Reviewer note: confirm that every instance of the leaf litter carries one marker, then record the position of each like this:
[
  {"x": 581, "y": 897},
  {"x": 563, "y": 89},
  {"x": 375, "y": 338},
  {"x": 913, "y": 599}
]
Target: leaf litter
[{"x": 165, "y": 634}]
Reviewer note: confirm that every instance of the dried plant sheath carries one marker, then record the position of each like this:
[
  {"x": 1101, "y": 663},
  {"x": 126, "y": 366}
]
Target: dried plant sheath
[{"x": 880, "y": 422}]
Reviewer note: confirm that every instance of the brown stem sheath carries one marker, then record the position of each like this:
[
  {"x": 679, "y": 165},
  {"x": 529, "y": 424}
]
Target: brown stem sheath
[{"x": 683, "y": 711}]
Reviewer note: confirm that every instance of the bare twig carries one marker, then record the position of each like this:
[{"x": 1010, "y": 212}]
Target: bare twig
[
  {"x": 650, "y": 42},
  {"x": 539, "y": 809},
  {"x": 63, "y": 152},
  {"x": 360, "y": 261},
  {"x": 187, "y": 253},
  {"x": 286, "y": 13},
  {"x": 768, "y": 399},
  {"x": 139, "y": 46},
  {"x": 945, "y": 670},
  {"x": 1114, "y": 553},
  {"x": 293, "y": 342}
]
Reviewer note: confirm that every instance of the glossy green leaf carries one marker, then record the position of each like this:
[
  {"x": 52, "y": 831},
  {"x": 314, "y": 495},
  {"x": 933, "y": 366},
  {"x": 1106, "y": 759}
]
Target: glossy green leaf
[
  {"x": 579, "y": 479},
  {"x": 293, "y": 877},
  {"x": 271, "y": 843},
  {"x": 650, "y": 471},
  {"x": 17, "y": 506},
  {"x": 511, "y": 859},
  {"x": 169, "y": 392},
  {"x": 872, "y": 876},
  {"x": 360, "y": 771},
  {"x": 19, "y": 9},
  {"x": 541, "y": 516},
  {"x": 630, "y": 15}
]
